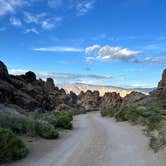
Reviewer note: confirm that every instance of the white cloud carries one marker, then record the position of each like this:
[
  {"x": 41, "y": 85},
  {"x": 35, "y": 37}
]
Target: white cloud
[
  {"x": 15, "y": 21},
  {"x": 84, "y": 6},
  {"x": 32, "y": 30},
  {"x": 42, "y": 19},
  {"x": 50, "y": 23},
  {"x": 10, "y": 6},
  {"x": 58, "y": 49},
  {"x": 91, "y": 48},
  {"x": 109, "y": 53}
]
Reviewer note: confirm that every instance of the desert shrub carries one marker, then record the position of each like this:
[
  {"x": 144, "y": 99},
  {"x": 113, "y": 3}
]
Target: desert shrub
[
  {"x": 46, "y": 130},
  {"x": 153, "y": 122},
  {"x": 108, "y": 112},
  {"x": 58, "y": 120},
  {"x": 121, "y": 114},
  {"x": 18, "y": 125},
  {"x": 105, "y": 112},
  {"x": 64, "y": 121},
  {"x": 22, "y": 125},
  {"x": 11, "y": 147}
]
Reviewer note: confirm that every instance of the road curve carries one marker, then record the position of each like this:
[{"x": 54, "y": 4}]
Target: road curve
[{"x": 97, "y": 141}]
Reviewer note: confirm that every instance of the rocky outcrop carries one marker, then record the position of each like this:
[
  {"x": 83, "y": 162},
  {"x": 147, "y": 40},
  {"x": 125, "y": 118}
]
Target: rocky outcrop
[
  {"x": 3, "y": 72},
  {"x": 89, "y": 100},
  {"x": 134, "y": 98},
  {"x": 160, "y": 92},
  {"x": 31, "y": 94},
  {"x": 111, "y": 100}
]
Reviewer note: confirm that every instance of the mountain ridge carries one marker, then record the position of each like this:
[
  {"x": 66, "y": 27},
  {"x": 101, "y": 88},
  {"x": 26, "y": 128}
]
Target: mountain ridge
[{"x": 78, "y": 87}]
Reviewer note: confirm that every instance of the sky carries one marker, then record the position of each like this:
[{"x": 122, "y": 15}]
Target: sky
[{"x": 102, "y": 42}]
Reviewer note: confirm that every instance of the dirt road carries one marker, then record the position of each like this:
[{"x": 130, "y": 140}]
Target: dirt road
[{"x": 97, "y": 141}]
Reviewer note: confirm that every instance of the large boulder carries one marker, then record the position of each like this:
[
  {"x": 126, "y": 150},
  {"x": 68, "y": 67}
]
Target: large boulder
[{"x": 111, "y": 100}]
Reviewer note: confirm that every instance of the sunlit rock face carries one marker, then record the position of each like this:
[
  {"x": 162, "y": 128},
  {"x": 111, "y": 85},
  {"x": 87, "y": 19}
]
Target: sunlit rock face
[{"x": 111, "y": 100}]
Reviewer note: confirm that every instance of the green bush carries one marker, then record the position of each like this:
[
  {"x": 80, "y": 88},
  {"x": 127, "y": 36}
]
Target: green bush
[
  {"x": 64, "y": 121},
  {"x": 108, "y": 112},
  {"x": 58, "y": 120},
  {"x": 121, "y": 115},
  {"x": 153, "y": 122},
  {"x": 22, "y": 125},
  {"x": 11, "y": 147},
  {"x": 105, "y": 112},
  {"x": 46, "y": 130}
]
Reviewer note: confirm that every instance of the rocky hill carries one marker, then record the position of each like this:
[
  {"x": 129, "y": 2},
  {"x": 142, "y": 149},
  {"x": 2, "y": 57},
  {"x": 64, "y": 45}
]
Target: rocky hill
[
  {"x": 26, "y": 93},
  {"x": 78, "y": 87}
]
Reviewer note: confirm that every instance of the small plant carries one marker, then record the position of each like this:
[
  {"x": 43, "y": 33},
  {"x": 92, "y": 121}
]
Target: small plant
[{"x": 11, "y": 147}]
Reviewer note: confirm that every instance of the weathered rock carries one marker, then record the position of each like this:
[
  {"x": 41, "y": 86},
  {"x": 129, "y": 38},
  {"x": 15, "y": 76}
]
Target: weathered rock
[
  {"x": 89, "y": 100},
  {"x": 6, "y": 92},
  {"x": 49, "y": 84},
  {"x": 160, "y": 92},
  {"x": 3, "y": 71},
  {"x": 134, "y": 98},
  {"x": 63, "y": 107},
  {"x": 111, "y": 100},
  {"x": 30, "y": 76}
]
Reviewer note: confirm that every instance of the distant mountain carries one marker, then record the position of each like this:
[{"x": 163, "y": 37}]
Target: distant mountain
[{"x": 78, "y": 87}]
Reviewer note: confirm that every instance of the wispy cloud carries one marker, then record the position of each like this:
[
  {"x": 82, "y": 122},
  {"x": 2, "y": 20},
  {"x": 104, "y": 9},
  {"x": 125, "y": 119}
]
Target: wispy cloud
[
  {"x": 109, "y": 53},
  {"x": 15, "y": 21},
  {"x": 65, "y": 77},
  {"x": 59, "y": 49},
  {"x": 10, "y": 6},
  {"x": 42, "y": 19},
  {"x": 84, "y": 6},
  {"x": 31, "y": 30},
  {"x": 161, "y": 60}
]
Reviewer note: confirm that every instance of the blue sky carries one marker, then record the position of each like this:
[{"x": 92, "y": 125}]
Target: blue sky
[{"x": 107, "y": 42}]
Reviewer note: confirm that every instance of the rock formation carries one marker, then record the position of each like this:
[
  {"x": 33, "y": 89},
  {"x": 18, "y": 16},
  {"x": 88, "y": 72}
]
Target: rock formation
[
  {"x": 31, "y": 94},
  {"x": 134, "y": 98},
  {"x": 35, "y": 95},
  {"x": 160, "y": 92},
  {"x": 111, "y": 100},
  {"x": 89, "y": 100}
]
